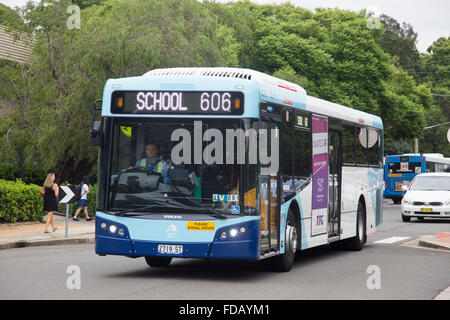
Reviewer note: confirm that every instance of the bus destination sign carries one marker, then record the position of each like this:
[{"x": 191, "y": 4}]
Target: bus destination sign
[{"x": 178, "y": 102}]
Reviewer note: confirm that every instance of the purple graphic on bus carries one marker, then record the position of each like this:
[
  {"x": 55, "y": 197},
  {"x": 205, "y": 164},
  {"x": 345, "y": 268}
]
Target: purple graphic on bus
[{"x": 320, "y": 175}]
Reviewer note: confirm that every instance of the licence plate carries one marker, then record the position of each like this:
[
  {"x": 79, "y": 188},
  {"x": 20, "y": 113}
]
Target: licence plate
[
  {"x": 170, "y": 249},
  {"x": 426, "y": 210}
]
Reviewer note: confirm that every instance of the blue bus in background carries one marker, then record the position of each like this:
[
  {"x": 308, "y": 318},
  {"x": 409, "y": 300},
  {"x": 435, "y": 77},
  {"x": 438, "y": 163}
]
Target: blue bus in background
[
  {"x": 185, "y": 170},
  {"x": 399, "y": 170}
]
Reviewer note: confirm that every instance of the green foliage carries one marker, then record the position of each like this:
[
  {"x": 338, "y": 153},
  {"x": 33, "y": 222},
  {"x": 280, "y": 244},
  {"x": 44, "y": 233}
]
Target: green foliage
[
  {"x": 20, "y": 202},
  {"x": 10, "y": 18},
  {"x": 32, "y": 175},
  {"x": 397, "y": 147},
  {"x": 436, "y": 74},
  {"x": 400, "y": 41},
  {"x": 330, "y": 52}
]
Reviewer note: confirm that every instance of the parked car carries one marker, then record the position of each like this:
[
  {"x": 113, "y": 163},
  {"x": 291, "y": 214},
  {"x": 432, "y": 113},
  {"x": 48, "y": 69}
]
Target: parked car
[{"x": 427, "y": 196}]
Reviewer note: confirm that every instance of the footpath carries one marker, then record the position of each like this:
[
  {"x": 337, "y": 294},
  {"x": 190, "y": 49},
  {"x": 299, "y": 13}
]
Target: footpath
[{"x": 25, "y": 234}]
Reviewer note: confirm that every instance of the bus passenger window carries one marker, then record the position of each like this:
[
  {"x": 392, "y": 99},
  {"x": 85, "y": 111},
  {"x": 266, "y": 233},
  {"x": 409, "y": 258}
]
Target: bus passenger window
[
  {"x": 286, "y": 151},
  {"x": 373, "y": 147},
  {"x": 302, "y": 157},
  {"x": 348, "y": 145},
  {"x": 361, "y": 147}
]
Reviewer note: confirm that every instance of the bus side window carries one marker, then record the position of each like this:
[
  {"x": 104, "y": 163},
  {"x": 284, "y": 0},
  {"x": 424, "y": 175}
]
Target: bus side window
[
  {"x": 348, "y": 145},
  {"x": 361, "y": 147},
  {"x": 286, "y": 150},
  {"x": 373, "y": 145},
  {"x": 302, "y": 150}
]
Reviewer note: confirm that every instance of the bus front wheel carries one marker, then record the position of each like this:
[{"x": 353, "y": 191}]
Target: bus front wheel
[
  {"x": 158, "y": 262},
  {"x": 285, "y": 261}
]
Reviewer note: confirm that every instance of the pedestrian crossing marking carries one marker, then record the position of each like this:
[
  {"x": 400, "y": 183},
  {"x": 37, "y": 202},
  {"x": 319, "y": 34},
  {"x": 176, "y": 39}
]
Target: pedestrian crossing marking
[{"x": 392, "y": 240}]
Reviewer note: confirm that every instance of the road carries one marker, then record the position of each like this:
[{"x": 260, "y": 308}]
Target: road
[{"x": 320, "y": 273}]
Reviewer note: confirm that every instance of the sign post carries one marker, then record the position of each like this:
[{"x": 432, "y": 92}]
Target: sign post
[
  {"x": 67, "y": 220},
  {"x": 67, "y": 196}
]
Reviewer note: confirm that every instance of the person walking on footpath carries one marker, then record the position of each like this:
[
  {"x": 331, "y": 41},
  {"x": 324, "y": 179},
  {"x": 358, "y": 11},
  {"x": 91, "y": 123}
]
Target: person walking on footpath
[
  {"x": 50, "y": 193},
  {"x": 82, "y": 203}
]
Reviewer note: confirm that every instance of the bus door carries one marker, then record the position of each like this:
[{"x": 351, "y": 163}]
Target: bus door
[
  {"x": 334, "y": 181},
  {"x": 269, "y": 190}
]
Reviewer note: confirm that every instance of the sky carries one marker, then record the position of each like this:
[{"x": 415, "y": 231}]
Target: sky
[{"x": 430, "y": 18}]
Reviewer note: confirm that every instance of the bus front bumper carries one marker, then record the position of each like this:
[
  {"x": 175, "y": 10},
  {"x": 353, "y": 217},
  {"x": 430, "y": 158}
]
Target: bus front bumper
[{"x": 242, "y": 245}]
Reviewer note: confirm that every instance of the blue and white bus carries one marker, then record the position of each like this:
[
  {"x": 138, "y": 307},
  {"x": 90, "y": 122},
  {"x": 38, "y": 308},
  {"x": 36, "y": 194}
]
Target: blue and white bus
[
  {"x": 229, "y": 163},
  {"x": 400, "y": 170}
]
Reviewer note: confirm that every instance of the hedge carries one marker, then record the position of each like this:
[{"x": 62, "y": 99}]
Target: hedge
[
  {"x": 32, "y": 175},
  {"x": 20, "y": 202}
]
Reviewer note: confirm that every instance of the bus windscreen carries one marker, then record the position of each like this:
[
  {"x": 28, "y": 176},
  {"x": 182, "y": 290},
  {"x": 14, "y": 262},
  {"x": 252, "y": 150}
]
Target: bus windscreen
[{"x": 404, "y": 167}]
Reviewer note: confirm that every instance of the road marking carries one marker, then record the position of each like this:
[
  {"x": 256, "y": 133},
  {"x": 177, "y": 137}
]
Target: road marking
[
  {"x": 392, "y": 240},
  {"x": 443, "y": 295}
]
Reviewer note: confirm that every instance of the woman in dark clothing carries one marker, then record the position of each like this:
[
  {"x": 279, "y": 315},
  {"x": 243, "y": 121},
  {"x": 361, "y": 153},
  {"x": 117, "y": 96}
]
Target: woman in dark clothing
[{"x": 50, "y": 200}]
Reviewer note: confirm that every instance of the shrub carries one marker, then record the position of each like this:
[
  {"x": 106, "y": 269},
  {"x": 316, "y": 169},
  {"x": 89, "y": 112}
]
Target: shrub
[
  {"x": 20, "y": 202},
  {"x": 31, "y": 174}
]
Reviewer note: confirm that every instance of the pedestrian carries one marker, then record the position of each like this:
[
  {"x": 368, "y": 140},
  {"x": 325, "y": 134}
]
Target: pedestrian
[
  {"x": 50, "y": 193},
  {"x": 82, "y": 203}
]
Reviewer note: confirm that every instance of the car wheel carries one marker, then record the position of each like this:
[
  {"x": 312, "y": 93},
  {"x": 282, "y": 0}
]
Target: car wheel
[
  {"x": 405, "y": 218},
  {"x": 158, "y": 262}
]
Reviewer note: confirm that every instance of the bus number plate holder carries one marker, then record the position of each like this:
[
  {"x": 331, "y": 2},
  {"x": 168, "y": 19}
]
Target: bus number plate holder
[{"x": 170, "y": 249}]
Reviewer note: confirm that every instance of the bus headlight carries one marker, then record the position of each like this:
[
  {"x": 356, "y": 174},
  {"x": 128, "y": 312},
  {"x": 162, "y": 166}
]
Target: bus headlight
[
  {"x": 242, "y": 230},
  {"x": 233, "y": 232},
  {"x": 223, "y": 235},
  {"x": 103, "y": 225},
  {"x": 112, "y": 228}
]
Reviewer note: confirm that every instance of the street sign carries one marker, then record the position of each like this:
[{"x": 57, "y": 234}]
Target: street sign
[{"x": 67, "y": 194}]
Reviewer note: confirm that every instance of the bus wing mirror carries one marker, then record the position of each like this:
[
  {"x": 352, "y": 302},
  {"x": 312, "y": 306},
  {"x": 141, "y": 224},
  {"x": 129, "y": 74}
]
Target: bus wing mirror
[{"x": 95, "y": 133}]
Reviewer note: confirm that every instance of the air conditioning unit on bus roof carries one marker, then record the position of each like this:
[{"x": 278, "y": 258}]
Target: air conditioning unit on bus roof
[{"x": 212, "y": 72}]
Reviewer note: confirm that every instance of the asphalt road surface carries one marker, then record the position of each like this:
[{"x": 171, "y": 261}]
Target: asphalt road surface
[{"x": 405, "y": 272}]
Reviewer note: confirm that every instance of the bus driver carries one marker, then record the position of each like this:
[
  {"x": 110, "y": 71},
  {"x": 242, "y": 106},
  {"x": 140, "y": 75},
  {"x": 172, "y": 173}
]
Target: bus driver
[{"x": 153, "y": 161}]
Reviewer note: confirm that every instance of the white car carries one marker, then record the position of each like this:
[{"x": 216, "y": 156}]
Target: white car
[{"x": 427, "y": 196}]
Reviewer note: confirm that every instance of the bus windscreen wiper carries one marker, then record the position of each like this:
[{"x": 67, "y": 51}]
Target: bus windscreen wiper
[
  {"x": 142, "y": 208},
  {"x": 210, "y": 210}
]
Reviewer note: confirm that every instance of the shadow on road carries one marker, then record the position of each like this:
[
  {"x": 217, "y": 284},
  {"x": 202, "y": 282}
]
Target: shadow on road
[{"x": 227, "y": 270}]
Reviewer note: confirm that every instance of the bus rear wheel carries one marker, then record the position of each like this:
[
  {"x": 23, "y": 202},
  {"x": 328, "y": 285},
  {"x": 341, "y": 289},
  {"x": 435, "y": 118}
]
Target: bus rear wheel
[
  {"x": 397, "y": 200},
  {"x": 158, "y": 262},
  {"x": 285, "y": 261}
]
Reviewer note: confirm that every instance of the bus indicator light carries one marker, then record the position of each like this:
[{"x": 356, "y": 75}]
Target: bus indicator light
[
  {"x": 237, "y": 103},
  {"x": 120, "y": 102}
]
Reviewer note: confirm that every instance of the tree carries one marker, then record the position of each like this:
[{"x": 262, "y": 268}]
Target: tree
[
  {"x": 400, "y": 42},
  {"x": 436, "y": 73}
]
